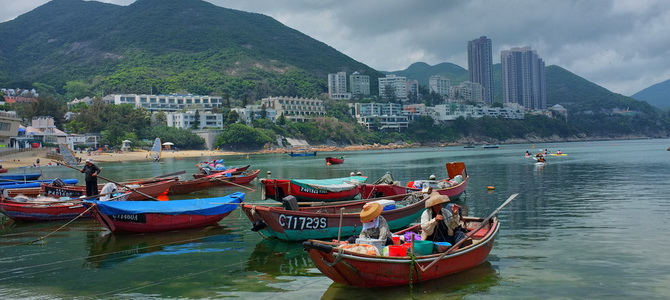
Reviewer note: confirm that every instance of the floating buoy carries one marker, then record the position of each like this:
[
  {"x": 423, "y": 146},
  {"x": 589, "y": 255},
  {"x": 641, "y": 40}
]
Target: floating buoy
[{"x": 490, "y": 187}]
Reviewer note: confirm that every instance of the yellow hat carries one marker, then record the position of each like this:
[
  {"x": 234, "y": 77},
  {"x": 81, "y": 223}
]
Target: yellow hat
[
  {"x": 371, "y": 211},
  {"x": 435, "y": 198}
]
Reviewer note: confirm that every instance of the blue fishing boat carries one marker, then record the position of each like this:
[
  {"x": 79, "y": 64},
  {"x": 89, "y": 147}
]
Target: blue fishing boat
[
  {"x": 32, "y": 183},
  {"x": 302, "y": 153},
  {"x": 26, "y": 176},
  {"x": 155, "y": 216}
]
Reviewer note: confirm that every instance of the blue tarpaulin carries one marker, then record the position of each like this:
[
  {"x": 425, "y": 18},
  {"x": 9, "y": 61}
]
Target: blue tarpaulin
[{"x": 204, "y": 207}]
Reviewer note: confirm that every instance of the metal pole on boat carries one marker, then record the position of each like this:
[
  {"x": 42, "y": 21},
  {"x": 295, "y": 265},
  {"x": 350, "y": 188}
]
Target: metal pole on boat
[{"x": 339, "y": 230}]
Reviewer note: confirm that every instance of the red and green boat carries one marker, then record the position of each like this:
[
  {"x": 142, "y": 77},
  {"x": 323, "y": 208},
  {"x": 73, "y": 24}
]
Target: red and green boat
[
  {"x": 318, "y": 190},
  {"x": 320, "y": 222}
]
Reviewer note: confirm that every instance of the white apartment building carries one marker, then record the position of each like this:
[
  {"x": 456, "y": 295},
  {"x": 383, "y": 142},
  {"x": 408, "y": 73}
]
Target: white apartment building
[
  {"x": 295, "y": 109},
  {"x": 439, "y": 85},
  {"x": 380, "y": 116},
  {"x": 169, "y": 102},
  {"x": 359, "y": 84},
  {"x": 185, "y": 120},
  {"x": 9, "y": 127},
  {"x": 254, "y": 112},
  {"x": 396, "y": 84},
  {"x": 468, "y": 91},
  {"x": 337, "y": 86}
]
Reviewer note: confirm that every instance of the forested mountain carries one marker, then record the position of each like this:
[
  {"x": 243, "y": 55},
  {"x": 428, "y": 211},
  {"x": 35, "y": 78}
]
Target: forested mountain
[
  {"x": 657, "y": 95},
  {"x": 165, "y": 46}
]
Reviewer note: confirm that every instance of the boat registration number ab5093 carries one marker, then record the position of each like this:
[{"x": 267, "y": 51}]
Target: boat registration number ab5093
[{"x": 300, "y": 223}]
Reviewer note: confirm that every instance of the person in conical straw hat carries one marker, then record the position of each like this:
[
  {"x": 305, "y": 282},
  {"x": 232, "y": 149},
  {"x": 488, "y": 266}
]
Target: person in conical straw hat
[
  {"x": 374, "y": 224},
  {"x": 441, "y": 221}
]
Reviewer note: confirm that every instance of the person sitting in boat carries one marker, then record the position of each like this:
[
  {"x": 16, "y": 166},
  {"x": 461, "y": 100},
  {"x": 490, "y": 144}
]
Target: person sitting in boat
[
  {"x": 527, "y": 153},
  {"x": 540, "y": 159},
  {"x": 352, "y": 174},
  {"x": 559, "y": 152},
  {"x": 374, "y": 224},
  {"x": 442, "y": 224}
]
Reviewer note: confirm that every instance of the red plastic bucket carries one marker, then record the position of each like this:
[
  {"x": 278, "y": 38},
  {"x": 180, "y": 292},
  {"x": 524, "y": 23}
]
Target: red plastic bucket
[{"x": 397, "y": 250}]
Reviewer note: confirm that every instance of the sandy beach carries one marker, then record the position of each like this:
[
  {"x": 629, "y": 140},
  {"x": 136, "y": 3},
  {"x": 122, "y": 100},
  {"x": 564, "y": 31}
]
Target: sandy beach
[{"x": 30, "y": 158}]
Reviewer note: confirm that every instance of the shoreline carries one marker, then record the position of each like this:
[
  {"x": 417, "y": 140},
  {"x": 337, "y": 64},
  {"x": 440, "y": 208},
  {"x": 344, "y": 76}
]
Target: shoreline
[{"x": 27, "y": 159}]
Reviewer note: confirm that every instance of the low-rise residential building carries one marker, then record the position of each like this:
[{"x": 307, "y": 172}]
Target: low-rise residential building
[
  {"x": 169, "y": 102},
  {"x": 468, "y": 91},
  {"x": 380, "y": 116},
  {"x": 439, "y": 85},
  {"x": 9, "y": 127},
  {"x": 195, "y": 120},
  {"x": 295, "y": 109},
  {"x": 254, "y": 112},
  {"x": 108, "y": 99}
]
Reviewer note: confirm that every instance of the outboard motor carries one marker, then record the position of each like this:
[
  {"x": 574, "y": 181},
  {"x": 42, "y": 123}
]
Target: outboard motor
[
  {"x": 290, "y": 203},
  {"x": 58, "y": 182}
]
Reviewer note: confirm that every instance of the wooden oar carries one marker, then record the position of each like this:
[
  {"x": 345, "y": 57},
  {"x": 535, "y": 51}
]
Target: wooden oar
[
  {"x": 470, "y": 234},
  {"x": 115, "y": 182}
]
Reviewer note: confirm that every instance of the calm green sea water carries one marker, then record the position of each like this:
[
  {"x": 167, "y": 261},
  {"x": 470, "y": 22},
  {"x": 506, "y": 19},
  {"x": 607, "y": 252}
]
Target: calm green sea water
[{"x": 589, "y": 225}]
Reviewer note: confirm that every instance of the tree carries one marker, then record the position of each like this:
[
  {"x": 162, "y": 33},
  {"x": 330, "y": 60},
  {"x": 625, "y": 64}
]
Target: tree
[
  {"x": 196, "y": 123},
  {"x": 281, "y": 120},
  {"x": 238, "y": 136},
  {"x": 233, "y": 117},
  {"x": 160, "y": 119}
]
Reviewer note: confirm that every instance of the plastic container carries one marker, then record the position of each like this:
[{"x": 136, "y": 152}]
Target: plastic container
[
  {"x": 423, "y": 247},
  {"x": 386, "y": 204},
  {"x": 397, "y": 251},
  {"x": 379, "y": 244},
  {"x": 396, "y": 240},
  {"x": 441, "y": 246}
]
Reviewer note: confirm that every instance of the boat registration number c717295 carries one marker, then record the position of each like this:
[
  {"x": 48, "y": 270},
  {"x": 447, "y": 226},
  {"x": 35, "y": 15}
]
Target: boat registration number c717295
[{"x": 301, "y": 223}]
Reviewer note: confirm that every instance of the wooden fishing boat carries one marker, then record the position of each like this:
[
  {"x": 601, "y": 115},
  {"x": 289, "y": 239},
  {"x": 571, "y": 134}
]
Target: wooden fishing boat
[
  {"x": 33, "y": 183},
  {"x": 232, "y": 171},
  {"x": 335, "y": 189},
  {"x": 155, "y": 216},
  {"x": 20, "y": 177},
  {"x": 246, "y": 177},
  {"x": 3, "y": 170},
  {"x": 320, "y": 222},
  {"x": 453, "y": 186},
  {"x": 334, "y": 160},
  {"x": 194, "y": 185},
  {"x": 43, "y": 208},
  {"x": 138, "y": 192},
  {"x": 352, "y": 268}
]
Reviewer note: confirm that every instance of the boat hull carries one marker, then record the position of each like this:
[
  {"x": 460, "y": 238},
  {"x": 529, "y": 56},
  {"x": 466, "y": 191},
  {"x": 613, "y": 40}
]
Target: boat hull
[
  {"x": 334, "y": 160},
  {"x": 380, "y": 271},
  {"x": 277, "y": 189},
  {"x": 153, "y": 189},
  {"x": 157, "y": 219},
  {"x": 324, "y": 222},
  {"x": 233, "y": 171},
  {"x": 13, "y": 177},
  {"x": 42, "y": 212}
]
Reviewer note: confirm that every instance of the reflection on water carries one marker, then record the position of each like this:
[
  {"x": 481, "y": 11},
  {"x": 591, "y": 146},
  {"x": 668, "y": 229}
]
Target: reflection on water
[
  {"x": 476, "y": 280},
  {"x": 114, "y": 248},
  {"x": 276, "y": 257}
]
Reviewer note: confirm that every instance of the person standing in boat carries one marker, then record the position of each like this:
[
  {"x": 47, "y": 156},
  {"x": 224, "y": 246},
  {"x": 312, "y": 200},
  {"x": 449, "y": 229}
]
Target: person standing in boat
[
  {"x": 91, "y": 171},
  {"x": 374, "y": 224},
  {"x": 441, "y": 223}
]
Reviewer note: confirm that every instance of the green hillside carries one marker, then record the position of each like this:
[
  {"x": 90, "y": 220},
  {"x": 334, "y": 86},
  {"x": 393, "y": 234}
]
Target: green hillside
[
  {"x": 166, "y": 46},
  {"x": 657, "y": 95}
]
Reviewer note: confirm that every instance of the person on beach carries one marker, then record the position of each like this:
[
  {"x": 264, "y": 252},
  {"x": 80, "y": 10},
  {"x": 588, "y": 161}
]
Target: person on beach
[
  {"x": 441, "y": 224},
  {"x": 91, "y": 171}
]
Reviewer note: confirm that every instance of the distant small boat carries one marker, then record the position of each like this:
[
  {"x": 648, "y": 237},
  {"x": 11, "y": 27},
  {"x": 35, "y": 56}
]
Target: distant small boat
[
  {"x": 302, "y": 153},
  {"x": 558, "y": 154},
  {"x": 334, "y": 160},
  {"x": 469, "y": 146},
  {"x": 491, "y": 146}
]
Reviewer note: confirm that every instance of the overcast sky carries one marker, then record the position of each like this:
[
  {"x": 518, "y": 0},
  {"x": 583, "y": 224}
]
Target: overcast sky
[{"x": 622, "y": 45}]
